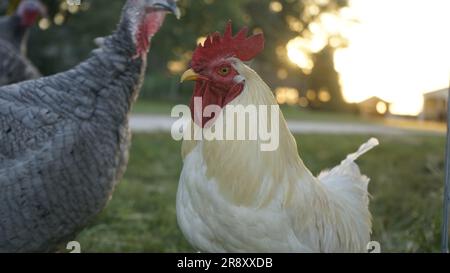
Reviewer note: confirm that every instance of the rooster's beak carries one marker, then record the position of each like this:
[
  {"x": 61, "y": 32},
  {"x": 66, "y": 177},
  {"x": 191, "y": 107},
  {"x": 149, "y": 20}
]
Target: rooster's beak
[{"x": 189, "y": 75}]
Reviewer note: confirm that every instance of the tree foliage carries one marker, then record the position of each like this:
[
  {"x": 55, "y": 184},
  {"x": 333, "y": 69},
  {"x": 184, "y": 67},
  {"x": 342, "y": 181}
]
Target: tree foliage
[{"x": 69, "y": 41}]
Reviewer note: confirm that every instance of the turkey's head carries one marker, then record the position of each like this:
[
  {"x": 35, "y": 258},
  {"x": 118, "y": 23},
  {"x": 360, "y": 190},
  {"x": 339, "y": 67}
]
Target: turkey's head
[
  {"x": 146, "y": 18},
  {"x": 29, "y": 11}
]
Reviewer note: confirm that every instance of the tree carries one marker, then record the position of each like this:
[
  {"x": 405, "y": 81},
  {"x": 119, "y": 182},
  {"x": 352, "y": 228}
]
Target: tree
[
  {"x": 299, "y": 23},
  {"x": 68, "y": 39}
]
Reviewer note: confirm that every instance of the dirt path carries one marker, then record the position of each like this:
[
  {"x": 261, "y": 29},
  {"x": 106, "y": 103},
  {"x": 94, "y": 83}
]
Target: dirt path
[{"x": 159, "y": 123}]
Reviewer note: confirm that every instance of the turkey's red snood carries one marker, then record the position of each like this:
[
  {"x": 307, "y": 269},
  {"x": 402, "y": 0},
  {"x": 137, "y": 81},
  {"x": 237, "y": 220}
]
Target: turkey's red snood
[
  {"x": 149, "y": 26},
  {"x": 211, "y": 95},
  {"x": 29, "y": 18}
]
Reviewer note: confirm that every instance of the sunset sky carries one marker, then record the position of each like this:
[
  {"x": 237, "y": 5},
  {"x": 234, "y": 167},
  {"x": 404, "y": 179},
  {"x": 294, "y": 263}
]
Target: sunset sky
[{"x": 399, "y": 50}]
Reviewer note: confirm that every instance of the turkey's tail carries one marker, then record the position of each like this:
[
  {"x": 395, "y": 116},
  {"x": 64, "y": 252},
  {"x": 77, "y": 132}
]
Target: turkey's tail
[{"x": 346, "y": 188}]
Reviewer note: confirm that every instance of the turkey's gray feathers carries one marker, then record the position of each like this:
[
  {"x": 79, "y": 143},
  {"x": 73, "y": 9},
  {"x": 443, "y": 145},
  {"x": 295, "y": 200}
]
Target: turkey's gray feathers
[
  {"x": 64, "y": 144},
  {"x": 14, "y": 67}
]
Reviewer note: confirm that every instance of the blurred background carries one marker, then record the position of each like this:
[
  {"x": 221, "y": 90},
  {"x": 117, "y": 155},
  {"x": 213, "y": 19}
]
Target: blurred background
[
  {"x": 342, "y": 71},
  {"x": 363, "y": 56}
]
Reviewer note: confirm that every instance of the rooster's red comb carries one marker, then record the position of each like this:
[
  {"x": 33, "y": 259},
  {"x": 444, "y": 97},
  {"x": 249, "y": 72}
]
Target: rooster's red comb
[{"x": 217, "y": 46}]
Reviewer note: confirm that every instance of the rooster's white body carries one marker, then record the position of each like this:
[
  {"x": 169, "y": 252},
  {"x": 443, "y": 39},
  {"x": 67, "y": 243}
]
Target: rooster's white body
[{"x": 233, "y": 197}]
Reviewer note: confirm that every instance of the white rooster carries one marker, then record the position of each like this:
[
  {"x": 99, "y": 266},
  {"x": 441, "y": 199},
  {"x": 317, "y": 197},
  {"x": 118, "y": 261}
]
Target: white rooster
[{"x": 234, "y": 197}]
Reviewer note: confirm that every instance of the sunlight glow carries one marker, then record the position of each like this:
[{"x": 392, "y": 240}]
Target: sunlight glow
[
  {"x": 381, "y": 108},
  {"x": 59, "y": 19},
  {"x": 287, "y": 95},
  {"x": 282, "y": 74},
  {"x": 176, "y": 67},
  {"x": 44, "y": 24},
  {"x": 297, "y": 51},
  {"x": 324, "y": 95},
  {"x": 294, "y": 23},
  {"x": 398, "y": 51},
  {"x": 276, "y": 6},
  {"x": 320, "y": 32},
  {"x": 201, "y": 40}
]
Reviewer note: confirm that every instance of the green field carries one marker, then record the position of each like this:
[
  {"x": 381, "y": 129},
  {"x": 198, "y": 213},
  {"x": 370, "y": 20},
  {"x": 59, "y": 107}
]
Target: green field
[
  {"x": 290, "y": 112},
  {"x": 153, "y": 107},
  {"x": 406, "y": 190}
]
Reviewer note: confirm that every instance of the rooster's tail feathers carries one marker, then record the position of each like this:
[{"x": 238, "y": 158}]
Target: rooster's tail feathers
[
  {"x": 369, "y": 145},
  {"x": 348, "y": 166},
  {"x": 347, "y": 191}
]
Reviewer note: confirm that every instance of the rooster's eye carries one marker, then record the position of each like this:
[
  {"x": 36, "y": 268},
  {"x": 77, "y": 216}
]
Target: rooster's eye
[{"x": 224, "y": 71}]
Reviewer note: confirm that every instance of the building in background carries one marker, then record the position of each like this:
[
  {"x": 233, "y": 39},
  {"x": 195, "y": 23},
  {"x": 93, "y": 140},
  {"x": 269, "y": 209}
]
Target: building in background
[
  {"x": 374, "y": 106},
  {"x": 435, "y": 105}
]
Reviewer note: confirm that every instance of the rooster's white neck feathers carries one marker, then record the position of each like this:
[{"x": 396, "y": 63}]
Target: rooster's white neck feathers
[{"x": 232, "y": 164}]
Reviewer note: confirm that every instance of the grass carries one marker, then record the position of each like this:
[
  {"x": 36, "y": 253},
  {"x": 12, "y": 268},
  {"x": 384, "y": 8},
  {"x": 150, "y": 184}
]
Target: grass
[
  {"x": 297, "y": 113},
  {"x": 153, "y": 107},
  {"x": 164, "y": 108},
  {"x": 406, "y": 187}
]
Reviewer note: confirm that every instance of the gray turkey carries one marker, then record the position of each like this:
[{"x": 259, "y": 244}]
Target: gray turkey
[
  {"x": 64, "y": 146},
  {"x": 14, "y": 66},
  {"x": 3, "y": 6}
]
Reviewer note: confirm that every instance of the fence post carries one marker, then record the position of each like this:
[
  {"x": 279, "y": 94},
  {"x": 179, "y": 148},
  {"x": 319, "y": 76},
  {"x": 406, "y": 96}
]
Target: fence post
[{"x": 444, "y": 243}]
